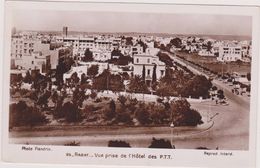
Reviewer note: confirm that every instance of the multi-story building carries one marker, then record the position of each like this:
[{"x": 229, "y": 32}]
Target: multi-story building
[
  {"x": 36, "y": 61},
  {"x": 57, "y": 54},
  {"x": 137, "y": 49},
  {"x": 101, "y": 55},
  {"x": 28, "y": 53},
  {"x": 148, "y": 62},
  {"x": 80, "y": 44},
  {"x": 23, "y": 50},
  {"x": 229, "y": 53}
]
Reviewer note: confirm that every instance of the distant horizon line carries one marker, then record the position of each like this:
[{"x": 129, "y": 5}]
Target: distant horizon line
[{"x": 129, "y": 32}]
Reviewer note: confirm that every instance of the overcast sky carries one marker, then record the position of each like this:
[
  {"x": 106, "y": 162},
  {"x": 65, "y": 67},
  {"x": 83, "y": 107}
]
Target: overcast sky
[{"x": 133, "y": 22}]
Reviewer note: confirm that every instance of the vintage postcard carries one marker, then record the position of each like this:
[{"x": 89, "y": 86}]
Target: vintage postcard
[{"x": 130, "y": 84}]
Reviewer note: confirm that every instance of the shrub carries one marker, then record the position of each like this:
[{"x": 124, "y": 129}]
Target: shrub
[
  {"x": 73, "y": 143},
  {"x": 71, "y": 112},
  {"x": 24, "y": 92},
  {"x": 110, "y": 113},
  {"x": 161, "y": 143},
  {"x": 123, "y": 116},
  {"x": 89, "y": 110},
  {"x": 23, "y": 115},
  {"x": 118, "y": 143},
  {"x": 142, "y": 114},
  {"x": 214, "y": 88},
  {"x": 93, "y": 95},
  {"x": 98, "y": 100},
  {"x": 122, "y": 99},
  {"x": 202, "y": 148}
]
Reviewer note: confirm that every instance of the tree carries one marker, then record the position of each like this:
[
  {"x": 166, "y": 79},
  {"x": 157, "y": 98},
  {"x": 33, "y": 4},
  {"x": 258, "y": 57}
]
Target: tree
[
  {"x": 129, "y": 41},
  {"x": 101, "y": 82},
  {"x": 161, "y": 143},
  {"x": 142, "y": 44},
  {"x": 83, "y": 79},
  {"x": 92, "y": 71},
  {"x": 143, "y": 73},
  {"x": 112, "y": 112},
  {"x": 44, "y": 98},
  {"x": 248, "y": 76},
  {"x": 116, "y": 52},
  {"x": 162, "y": 47},
  {"x": 60, "y": 70},
  {"x": 137, "y": 85},
  {"x": 122, "y": 99},
  {"x": 142, "y": 114},
  {"x": 74, "y": 78},
  {"x": 154, "y": 78},
  {"x": 88, "y": 56},
  {"x": 165, "y": 58},
  {"x": 93, "y": 95},
  {"x": 176, "y": 42},
  {"x": 124, "y": 60},
  {"x": 115, "y": 82},
  {"x": 168, "y": 75},
  {"x": 71, "y": 112},
  {"x": 23, "y": 115},
  {"x": 183, "y": 115},
  {"x": 209, "y": 46},
  {"x": 197, "y": 87},
  {"x": 27, "y": 78}
]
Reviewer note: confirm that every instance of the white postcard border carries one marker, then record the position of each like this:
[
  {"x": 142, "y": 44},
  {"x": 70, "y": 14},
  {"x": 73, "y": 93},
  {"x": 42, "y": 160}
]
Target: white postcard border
[{"x": 241, "y": 158}]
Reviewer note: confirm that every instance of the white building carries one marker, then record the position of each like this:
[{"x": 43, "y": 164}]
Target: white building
[
  {"x": 205, "y": 53},
  {"x": 101, "y": 55},
  {"x": 31, "y": 54},
  {"x": 230, "y": 53},
  {"x": 21, "y": 46},
  {"x": 80, "y": 44},
  {"x": 148, "y": 61},
  {"x": 137, "y": 49},
  {"x": 36, "y": 61},
  {"x": 152, "y": 51}
]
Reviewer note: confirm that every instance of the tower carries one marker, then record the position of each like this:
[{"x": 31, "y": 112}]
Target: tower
[{"x": 65, "y": 31}]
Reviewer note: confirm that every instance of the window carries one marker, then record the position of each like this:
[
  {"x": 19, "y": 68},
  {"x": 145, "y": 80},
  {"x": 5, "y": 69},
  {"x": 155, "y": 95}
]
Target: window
[
  {"x": 162, "y": 72},
  {"x": 148, "y": 60},
  {"x": 137, "y": 60},
  {"x": 32, "y": 62},
  {"x": 148, "y": 72}
]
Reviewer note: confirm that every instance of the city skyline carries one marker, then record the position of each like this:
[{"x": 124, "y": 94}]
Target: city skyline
[{"x": 111, "y": 22}]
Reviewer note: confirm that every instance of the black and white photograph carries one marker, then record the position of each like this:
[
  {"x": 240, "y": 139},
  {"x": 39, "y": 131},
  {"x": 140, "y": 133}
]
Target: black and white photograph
[{"x": 130, "y": 79}]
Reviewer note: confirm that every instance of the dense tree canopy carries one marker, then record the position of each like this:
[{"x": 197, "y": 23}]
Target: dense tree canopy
[{"x": 92, "y": 71}]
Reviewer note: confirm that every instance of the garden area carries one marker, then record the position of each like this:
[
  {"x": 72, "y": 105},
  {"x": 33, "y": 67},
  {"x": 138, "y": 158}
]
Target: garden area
[{"x": 211, "y": 64}]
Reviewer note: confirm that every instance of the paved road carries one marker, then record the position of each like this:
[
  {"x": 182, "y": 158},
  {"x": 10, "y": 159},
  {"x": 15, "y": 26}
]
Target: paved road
[{"x": 231, "y": 129}]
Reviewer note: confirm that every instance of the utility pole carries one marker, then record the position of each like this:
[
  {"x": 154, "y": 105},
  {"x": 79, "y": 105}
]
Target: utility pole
[{"x": 172, "y": 126}]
